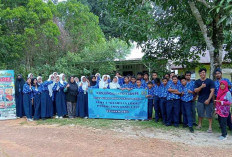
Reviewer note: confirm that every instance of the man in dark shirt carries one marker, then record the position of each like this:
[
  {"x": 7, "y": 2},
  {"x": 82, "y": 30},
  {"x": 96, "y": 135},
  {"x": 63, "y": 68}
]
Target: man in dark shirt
[{"x": 205, "y": 88}]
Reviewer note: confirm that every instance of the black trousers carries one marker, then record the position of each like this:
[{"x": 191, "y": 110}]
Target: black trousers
[{"x": 223, "y": 125}]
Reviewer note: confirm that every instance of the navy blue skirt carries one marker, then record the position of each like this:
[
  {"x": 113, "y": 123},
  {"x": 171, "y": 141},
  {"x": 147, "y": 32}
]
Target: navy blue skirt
[
  {"x": 82, "y": 105},
  {"x": 19, "y": 105},
  {"x": 46, "y": 105},
  {"x": 61, "y": 108},
  {"x": 37, "y": 106},
  {"x": 27, "y": 105}
]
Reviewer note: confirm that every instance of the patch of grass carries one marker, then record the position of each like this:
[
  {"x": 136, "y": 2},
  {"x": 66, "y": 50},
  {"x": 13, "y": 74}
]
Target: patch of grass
[
  {"x": 95, "y": 123},
  {"x": 109, "y": 123}
]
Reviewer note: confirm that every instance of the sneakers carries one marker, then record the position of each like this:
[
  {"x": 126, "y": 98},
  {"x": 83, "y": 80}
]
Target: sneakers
[
  {"x": 61, "y": 117},
  {"x": 191, "y": 129},
  {"x": 222, "y": 138},
  {"x": 56, "y": 117},
  {"x": 29, "y": 119}
]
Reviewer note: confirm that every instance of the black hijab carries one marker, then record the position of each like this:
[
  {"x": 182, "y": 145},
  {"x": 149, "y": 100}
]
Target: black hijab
[
  {"x": 93, "y": 83},
  {"x": 19, "y": 84},
  {"x": 32, "y": 82},
  {"x": 73, "y": 88}
]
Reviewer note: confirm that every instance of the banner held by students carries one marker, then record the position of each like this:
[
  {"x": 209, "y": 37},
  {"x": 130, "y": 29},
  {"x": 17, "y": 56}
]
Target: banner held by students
[
  {"x": 117, "y": 104},
  {"x": 7, "y": 95}
]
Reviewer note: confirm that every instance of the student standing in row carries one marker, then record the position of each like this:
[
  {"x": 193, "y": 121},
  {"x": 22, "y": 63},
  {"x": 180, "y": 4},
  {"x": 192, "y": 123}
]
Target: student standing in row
[
  {"x": 46, "y": 102},
  {"x": 71, "y": 96},
  {"x": 205, "y": 88},
  {"x": 27, "y": 99},
  {"x": 173, "y": 102},
  {"x": 163, "y": 99},
  {"x": 93, "y": 82},
  {"x": 103, "y": 84},
  {"x": 19, "y": 96},
  {"x": 218, "y": 76},
  {"x": 192, "y": 83},
  {"x": 120, "y": 79},
  {"x": 146, "y": 79},
  {"x": 150, "y": 97},
  {"x": 139, "y": 84},
  {"x": 36, "y": 89},
  {"x": 114, "y": 84},
  {"x": 187, "y": 93},
  {"x": 126, "y": 85},
  {"x": 223, "y": 102},
  {"x": 82, "y": 101},
  {"x": 60, "y": 100},
  {"x": 133, "y": 82},
  {"x": 157, "y": 92},
  {"x": 154, "y": 76}
]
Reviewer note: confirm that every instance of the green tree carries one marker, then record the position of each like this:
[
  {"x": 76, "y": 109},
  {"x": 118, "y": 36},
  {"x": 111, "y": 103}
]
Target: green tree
[
  {"x": 180, "y": 31},
  {"x": 81, "y": 25}
]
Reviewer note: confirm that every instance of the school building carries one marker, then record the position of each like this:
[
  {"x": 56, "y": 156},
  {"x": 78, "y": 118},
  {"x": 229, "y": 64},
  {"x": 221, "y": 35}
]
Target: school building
[
  {"x": 205, "y": 62},
  {"x": 132, "y": 66}
]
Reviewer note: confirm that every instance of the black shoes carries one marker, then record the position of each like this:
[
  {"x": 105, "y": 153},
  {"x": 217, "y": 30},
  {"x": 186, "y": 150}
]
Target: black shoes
[{"x": 191, "y": 129}]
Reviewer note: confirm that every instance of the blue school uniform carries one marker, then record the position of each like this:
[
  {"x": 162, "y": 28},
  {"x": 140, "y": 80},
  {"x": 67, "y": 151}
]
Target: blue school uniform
[
  {"x": 27, "y": 104},
  {"x": 141, "y": 87},
  {"x": 37, "y": 101},
  {"x": 120, "y": 81},
  {"x": 150, "y": 102},
  {"x": 98, "y": 79},
  {"x": 46, "y": 101},
  {"x": 96, "y": 86},
  {"x": 126, "y": 85},
  {"x": 157, "y": 92},
  {"x": 60, "y": 100},
  {"x": 133, "y": 85},
  {"x": 145, "y": 84},
  {"x": 82, "y": 103},
  {"x": 173, "y": 105},
  {"x": 163, "y": 102},
  {"x": 186, "y": 101}
]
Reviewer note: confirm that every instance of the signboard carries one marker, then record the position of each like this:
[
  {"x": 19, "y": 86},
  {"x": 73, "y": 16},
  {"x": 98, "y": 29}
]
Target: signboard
[
  {"x": 7, "y": 95},
  {"x": 117, "y": 104}
]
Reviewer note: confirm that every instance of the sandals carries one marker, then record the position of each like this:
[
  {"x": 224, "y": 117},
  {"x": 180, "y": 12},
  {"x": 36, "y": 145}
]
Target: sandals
[
  {"x": 198, "y": 127},
  {"x": 209, "y": 131}
]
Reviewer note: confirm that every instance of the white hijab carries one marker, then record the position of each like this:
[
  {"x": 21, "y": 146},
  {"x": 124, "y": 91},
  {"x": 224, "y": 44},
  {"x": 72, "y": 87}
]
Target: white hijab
[
  {"x": 58, "y": 85},
  {"x": 39, "y": 77},
  {"x": 29, "y": 75},
  {"x": 61, "y": 80},
  {"x": 85, "y": 84},
  {"x": 102, "y": 83},
  {"x": 114, "y": 85},
  {"x": 51, "y": 85},
  {"x": 98, "y": 74},
  {"x": 54, "y": 73}
]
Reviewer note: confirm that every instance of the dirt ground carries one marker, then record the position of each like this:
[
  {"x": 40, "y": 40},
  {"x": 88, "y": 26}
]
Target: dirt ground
[{"x": 30, "y": 140}]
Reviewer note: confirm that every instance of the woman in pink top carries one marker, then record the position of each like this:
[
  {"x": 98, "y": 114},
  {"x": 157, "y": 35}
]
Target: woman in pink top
[{"x": 223, "y": 102}]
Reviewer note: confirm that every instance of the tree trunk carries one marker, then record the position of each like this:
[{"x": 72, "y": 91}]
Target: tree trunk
[{"x": 206, "y": 36}]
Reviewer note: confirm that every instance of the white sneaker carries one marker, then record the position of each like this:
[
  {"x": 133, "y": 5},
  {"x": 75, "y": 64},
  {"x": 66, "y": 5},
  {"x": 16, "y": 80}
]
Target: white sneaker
[
  {"x": 222, "y": 138},
  {"x": 30, "y": 120},
  {"x": 56, "y": 117},
  {"x": 86, "y": 117},
  {"x": 61, "y": 117}
]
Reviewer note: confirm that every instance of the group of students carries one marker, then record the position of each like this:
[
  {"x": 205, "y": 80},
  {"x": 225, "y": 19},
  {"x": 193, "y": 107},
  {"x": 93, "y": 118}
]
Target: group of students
[{"x": 172, "y": 97}]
